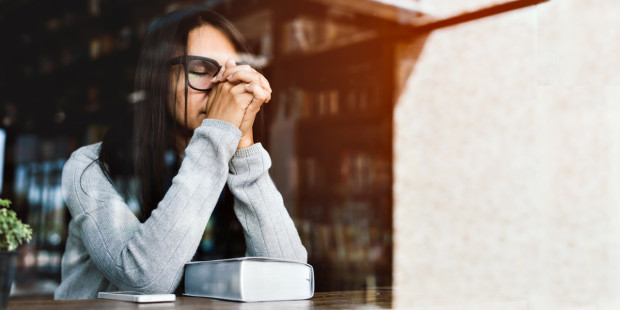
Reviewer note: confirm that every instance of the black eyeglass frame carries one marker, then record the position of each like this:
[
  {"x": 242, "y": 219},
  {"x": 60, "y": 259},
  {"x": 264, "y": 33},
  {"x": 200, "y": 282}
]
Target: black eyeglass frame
[{"x": 179, "y": 61}]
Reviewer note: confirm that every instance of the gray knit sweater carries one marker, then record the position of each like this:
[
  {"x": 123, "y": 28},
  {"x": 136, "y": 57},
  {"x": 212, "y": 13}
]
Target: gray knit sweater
[{"x": 108, "y": 249}]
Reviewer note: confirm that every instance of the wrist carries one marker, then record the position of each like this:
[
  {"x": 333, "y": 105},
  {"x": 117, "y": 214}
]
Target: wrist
[{"x": 245, "y": 142}]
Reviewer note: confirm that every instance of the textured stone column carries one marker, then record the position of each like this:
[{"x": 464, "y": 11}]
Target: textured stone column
[{"x": 507, "y": 162}]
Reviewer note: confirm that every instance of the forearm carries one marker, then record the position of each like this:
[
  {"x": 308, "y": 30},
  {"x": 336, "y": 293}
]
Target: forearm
[
  {"x": 268, "y": 228},
  {"x": 150, "y": 256}
]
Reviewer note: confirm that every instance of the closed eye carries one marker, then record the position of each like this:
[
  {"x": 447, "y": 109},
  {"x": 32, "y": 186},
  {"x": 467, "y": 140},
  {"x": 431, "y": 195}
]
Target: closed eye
[{"x": 197, "y": 74}]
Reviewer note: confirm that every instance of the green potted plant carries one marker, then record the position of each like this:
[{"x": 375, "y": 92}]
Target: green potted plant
[{"x": 12, "y": 233}]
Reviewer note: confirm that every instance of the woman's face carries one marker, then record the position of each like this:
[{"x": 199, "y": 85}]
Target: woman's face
[{"x": 205, "y": 41}]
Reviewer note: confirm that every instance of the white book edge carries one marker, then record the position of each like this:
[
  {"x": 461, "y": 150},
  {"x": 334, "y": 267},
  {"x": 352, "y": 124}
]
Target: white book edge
[
  {"x": 259, "y": 258},
  {"x": 254, "y": 258}
]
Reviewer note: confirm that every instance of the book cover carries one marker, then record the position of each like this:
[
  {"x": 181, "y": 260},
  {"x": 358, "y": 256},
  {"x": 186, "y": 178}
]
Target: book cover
[{"x": 250, "y": 279}]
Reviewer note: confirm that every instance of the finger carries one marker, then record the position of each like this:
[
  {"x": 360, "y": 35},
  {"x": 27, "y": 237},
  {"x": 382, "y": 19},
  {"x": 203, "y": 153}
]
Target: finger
[
  {"x": 260, "y": 96},
  {"x": 244, "y": 76},
  {"x": 216, "y": 78},
  {"x": 230, "y": 63},
  {"x": 264, "y": 93},
  {"x": 254, "y": 105},
  {"x": 250, "y": 77},
  {"x": 242, "y": 97},
  {"x": 231, "y": 71},
  {"x": 265, "y": 83}
]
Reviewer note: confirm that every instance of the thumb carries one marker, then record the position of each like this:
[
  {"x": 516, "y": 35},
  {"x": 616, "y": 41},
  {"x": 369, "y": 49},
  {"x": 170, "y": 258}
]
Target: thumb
[{"x": 230, "y": 63}]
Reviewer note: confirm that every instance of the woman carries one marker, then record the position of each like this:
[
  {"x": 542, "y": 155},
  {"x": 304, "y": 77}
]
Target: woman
[{"x": 201, "y": 113}]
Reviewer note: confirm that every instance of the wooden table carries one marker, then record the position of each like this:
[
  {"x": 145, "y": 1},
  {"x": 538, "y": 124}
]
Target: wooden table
[{"x": 373, "y": 298}]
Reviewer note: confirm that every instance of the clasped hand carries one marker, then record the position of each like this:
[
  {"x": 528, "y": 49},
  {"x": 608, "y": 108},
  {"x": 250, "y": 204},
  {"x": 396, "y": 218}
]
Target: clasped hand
[{"x": 236, "y": 96}]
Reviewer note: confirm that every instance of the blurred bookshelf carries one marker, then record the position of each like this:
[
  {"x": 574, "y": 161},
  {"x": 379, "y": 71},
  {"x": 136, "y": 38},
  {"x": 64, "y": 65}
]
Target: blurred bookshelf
[
  {"x": 69, "y": 74},
  {"x": 334, "y": 75}
]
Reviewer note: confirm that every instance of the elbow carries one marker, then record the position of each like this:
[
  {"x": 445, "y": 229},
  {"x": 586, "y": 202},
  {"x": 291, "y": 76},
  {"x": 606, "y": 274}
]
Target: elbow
[
  {"x": 134, "y": 279},
  {"x": 140, "y": 276},
  {"x": 149, "y": 284},
  {"x": 302, "y": 255}
]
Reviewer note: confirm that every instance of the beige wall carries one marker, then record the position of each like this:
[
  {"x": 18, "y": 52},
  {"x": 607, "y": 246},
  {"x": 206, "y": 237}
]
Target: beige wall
[{"x": 507, "y": 161}]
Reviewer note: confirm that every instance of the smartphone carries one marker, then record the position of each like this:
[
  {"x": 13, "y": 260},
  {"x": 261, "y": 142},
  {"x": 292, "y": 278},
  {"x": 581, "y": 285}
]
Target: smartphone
[{"x": 137, "y": 296}]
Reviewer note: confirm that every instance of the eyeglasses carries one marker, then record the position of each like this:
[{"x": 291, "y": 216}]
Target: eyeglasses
[{"x": 199, "y": 71}]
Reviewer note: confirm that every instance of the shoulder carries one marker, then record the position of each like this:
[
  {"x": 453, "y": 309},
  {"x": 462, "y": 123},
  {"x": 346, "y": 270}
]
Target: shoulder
[
  {"x": 88, "y": 153},
  {"x": 82, "y": 177},
  {"x": 82, "y": 159},
  {"x": 84, "y": 185}
]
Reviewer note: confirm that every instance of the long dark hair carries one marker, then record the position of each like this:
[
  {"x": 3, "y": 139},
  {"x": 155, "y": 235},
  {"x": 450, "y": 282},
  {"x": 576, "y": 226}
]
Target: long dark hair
[{"x": 140, "y": 155}]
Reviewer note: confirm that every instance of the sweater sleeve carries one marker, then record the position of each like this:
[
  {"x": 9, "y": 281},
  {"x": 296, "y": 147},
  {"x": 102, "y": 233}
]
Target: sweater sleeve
[
  {"x": 149, "y": 257},
  {"x": 269, "y": 230}
]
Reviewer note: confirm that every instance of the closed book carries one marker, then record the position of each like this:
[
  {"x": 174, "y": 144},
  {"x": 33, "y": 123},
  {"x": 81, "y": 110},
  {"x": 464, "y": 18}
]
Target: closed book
[{"x": 250, "y": 279}]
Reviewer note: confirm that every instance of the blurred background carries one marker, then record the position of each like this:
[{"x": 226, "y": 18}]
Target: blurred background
[
  {"x": 460, "y": 151},
  {"x": 67, "y": 74}
]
